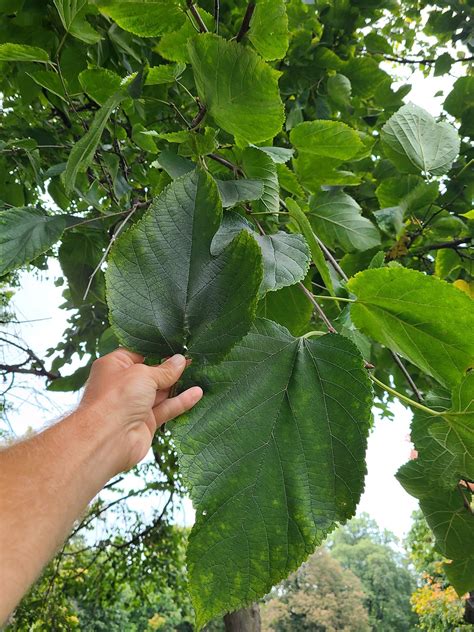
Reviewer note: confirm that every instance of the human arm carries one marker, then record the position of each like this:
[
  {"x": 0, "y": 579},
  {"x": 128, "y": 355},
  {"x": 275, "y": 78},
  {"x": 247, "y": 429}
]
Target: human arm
[{"x": 47, "y": 480}]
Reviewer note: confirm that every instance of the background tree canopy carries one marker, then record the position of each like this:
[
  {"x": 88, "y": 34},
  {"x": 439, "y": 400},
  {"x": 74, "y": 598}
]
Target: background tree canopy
[{"x": 297, "y": 191}]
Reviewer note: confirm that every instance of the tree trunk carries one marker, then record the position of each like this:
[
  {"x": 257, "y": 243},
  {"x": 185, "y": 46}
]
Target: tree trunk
[{"x": 245, "y": 620}]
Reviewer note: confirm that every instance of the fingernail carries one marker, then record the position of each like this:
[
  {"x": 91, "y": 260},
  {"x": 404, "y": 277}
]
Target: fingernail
[{"x": 177, "y": 360}]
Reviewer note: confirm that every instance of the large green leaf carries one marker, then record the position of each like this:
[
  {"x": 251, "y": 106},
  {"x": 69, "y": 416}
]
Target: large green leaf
[
  {"x": 26, "y": 233},
  {"x": 460, "y": 574},
  {"x": 269, "y": 28},
  {"x": 259, "y": 166},
  {"x": 49, "y": 80},
  {"x": 239, "y": 90},
  {"x": 83, "y": 151},
  {"x": 415, "y": 142},
  {"x": 285, "y": 257},
  {"x": 174, "y": 46},
  {"x": 426, "y": 320},
  {"x": 167, "y": 293},
  {"x": 273, "y": 457},
  {"x": 22, "y": 52},
  {"x": 147, "y": 18},
  {"x": 337, "y": 220}
]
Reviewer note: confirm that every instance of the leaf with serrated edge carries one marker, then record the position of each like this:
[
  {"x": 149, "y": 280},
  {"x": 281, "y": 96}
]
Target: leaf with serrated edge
[
  {"x": 285, "y": 257},
  {"x": 426, "y": 320},
  {"x": 273, "y": 457},
  {"x": 239, "y": 90},
  {"x": 167, "y": 293},
  {"x": 259, "y": 166},
  {"x": 415, "y": 142},
  {"x": 146, "y": 19},
  {"x": 26, "y": 233},
  {"x": 336, "y": 218},
  {"x": 269, "y": 29}
]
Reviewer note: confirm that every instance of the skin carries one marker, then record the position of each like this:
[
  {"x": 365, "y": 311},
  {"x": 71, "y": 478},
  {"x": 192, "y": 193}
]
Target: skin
[{"x": 48, "y": 480}]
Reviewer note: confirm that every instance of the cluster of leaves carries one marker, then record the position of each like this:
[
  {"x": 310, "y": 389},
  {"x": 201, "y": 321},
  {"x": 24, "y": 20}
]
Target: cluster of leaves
[
  {"x": 280, "y": 114},
  {"x": 435, "y": 601}
]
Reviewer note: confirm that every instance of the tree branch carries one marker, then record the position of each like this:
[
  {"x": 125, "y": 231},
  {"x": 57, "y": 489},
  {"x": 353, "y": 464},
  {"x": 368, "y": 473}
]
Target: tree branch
[
  {"x": 195, "y": 13},
  {"x": 246, "y": 21},
  {"x": 446, "y": 244}
]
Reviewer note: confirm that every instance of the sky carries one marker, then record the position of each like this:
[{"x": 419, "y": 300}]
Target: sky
[{"x": 38, "y": 301}]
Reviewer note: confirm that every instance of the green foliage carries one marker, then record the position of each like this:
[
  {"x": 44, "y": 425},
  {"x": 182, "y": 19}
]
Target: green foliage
[{"x": 110, "y": 105}]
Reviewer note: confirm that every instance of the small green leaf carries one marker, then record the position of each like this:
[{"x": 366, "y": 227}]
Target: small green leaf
[
  {"x": 175, "y": 165},
  {"x": 269, "y": 29},
  {"x": 234, "y": 192},
  {"x": 279, "y": 155},
  {"x": 337, "y": 220},
  {"x": 49, "y": 80},
  {"x": 22, "y": 52},
  {"x": 26, "y": 233},
  {"x": 239, "y": 90},
  {"x": 72, "y": 14},
  {"x": 289, "y": 307},
  {"x": 296, "y": 466},
  {"x": 147, "y": 18},
  {"x": 99, "y": 83},
  {"x": 72, "y": 382},
  {"x": 426, "y": 320},
  {"x": 316, "y": 253},
  {"x": 166, "y": 73},
  {"x": 259, "y": 166},
  {"x": 415, "y": 142},
  {"x": 461, "y": 97},
  {"x": 174, "y": 46},
  {"x": 339, "y": 90},
  {"x": 83, "y": 151},
  {"x": 196, "y": 303},
  {"x": 329, "y": 139},
  {"x": 285, "y": 257}
]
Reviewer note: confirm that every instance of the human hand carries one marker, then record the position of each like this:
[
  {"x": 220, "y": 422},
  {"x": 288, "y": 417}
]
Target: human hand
[{"x": 133, "y": 400}]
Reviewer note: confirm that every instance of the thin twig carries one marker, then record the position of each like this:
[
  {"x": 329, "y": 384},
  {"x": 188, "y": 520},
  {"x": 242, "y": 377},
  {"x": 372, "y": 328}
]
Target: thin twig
[
  {"x": 107, "y": 250},
  {"x": 217, "y": 11},
  {"x": 196, "y": 15},
  {"x": 408, "y": 377},
  {"x": 318, "y": 308}
]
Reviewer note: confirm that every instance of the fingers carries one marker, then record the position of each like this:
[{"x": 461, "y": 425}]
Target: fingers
[
  {"x": 175, "y": 406},
  {"x": 168, "y": 373}
]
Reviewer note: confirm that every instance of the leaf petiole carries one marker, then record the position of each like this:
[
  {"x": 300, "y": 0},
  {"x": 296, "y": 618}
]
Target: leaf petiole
[{"x": 404, "y": 398}]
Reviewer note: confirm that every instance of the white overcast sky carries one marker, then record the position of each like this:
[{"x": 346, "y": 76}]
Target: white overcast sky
[{"x": 38, "y": 298}]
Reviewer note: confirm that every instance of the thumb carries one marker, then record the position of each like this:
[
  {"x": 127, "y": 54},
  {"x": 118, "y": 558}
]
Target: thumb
[{"x": 168, "y": 373}]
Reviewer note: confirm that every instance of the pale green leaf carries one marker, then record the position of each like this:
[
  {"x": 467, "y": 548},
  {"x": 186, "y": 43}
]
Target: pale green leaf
[
  {"x": 272, "y": 468},
  {"x": 147, "y": 18},
  {"x": 174, "y": 46},
  {"x": 336, "y": 219},
  {"x": 329, "y": 139},
  {"x": 26, "y": 233},
  {"x": 426, "y": 320},
  {"x": 166, "y": 73},
  {"x": 167, "y": 293},
  {"x": 239, "y": 90},
  {"x": 259, "y": 166},
  {"x": 415, "y": 142},
  {"x": 22, "y": 52},
  {"x": 234, "y": 192},
  {"x": 285, "y": 257},
  {"x": 279, "y": 155},
  {"x": 72, "y": 14},
  {"x": 269, "y": 29},
  {"x": 339, "y": 89}
]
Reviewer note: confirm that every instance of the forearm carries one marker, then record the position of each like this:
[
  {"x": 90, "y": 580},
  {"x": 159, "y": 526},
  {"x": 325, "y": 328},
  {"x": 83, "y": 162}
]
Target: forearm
[{"x": 45, "y": 484}]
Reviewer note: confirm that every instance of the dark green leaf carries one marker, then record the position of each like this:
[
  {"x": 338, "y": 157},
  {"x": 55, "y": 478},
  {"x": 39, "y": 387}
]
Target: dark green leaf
[
  {"x": 196, "y": 303},
  {"x": 294, "y": 470},
  {"x": 234, "y": 192}
]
